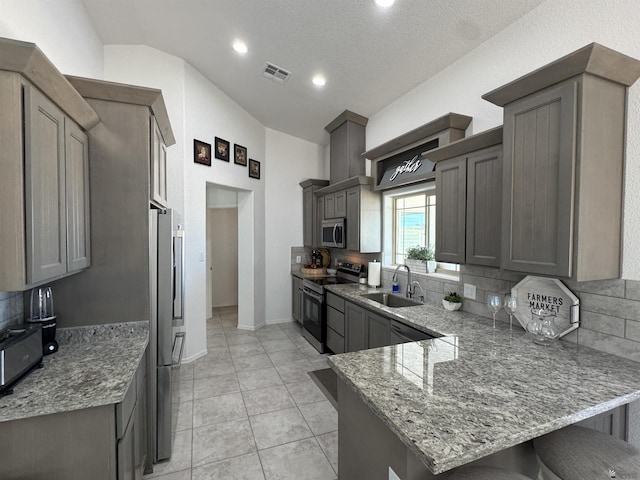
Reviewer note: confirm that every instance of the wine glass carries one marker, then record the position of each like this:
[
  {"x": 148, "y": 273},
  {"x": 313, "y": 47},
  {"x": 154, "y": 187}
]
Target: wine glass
[
  {"x": 510, "y": 305},
  {"x": 495, "y": 304}
]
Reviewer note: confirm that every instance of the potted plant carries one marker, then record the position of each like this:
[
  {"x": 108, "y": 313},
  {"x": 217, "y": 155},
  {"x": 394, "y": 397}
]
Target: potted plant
[
  {"x": 421, "y": 259},
  {"x": 452, "y": 301}
]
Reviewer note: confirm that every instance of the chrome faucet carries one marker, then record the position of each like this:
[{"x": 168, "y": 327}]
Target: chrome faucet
[
  {"x": 395, "y": 278},
  {"x": 412, "y": 290}
]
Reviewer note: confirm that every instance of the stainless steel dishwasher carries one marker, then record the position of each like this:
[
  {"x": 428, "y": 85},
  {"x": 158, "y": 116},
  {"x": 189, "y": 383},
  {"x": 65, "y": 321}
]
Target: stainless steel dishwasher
[{"x": 401, "y": 333}]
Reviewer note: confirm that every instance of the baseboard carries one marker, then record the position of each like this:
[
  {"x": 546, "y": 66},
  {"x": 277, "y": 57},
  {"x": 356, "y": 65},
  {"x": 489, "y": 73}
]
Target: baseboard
[{"x": 193, "y": 358}]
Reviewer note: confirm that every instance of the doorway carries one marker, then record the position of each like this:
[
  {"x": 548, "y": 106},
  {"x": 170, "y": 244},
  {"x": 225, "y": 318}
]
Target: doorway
[{"x": 222, "y": 255}]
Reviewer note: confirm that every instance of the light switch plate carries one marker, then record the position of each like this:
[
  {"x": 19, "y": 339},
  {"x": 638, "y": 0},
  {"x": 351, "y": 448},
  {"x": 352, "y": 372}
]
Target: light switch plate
[
  {"x": 298, "y": 258},
  {"x": 469, "y": 291}
]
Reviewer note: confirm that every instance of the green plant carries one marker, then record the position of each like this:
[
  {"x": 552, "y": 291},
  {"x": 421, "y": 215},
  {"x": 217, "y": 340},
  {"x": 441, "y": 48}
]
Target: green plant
[
  {"x": 453, "y": 297},
  {"x": 420, "y": 253}
]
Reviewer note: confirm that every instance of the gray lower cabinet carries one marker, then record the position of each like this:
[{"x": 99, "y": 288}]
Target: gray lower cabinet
[
  {"x": 102, "y": 443},
  {"x": 356, "y": 328},
  {"x": 45, "y": 189},
  {"x": 296, "y": 298},
  {"x": 379, "y": 330},
  {"x": 335, "y": 323}
]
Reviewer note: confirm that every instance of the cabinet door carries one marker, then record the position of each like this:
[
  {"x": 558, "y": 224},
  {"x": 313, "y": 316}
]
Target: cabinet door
[
  {"x": 335, "y": 341},
  {"x": 77, "y": 189},
  {"x": 329, "y": 205},
  {"x": 295, "y": 305},
  {"x": 538, "y": 182},
  {"x": 356, "y": 331},
  {"x": 340, "y": 200},
  {"x": 353, "y": 219},
  {"x": 484, "y": 207},
  {"x": 317, "y": 221},
  {"x": 45, "y": 209},
  {"x": 451, "y": 184},
  {"x": 379, "y": 330},
  {"x": 300, "y": 303},
  {"x": 308, "y": 217},
  {"x": 158, "y": 166}
]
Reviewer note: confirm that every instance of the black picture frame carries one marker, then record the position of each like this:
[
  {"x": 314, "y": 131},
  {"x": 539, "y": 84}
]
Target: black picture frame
[
  {"x": 254, "y": 168},
  {"x": 201, "y": 152},
  {"x": 222, "y": 149},
  {"x": 240, "y": 155}
]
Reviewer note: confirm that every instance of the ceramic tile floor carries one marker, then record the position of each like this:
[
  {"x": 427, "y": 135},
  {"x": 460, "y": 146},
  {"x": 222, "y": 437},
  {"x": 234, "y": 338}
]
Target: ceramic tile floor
[{"x": 248, "y": 409}]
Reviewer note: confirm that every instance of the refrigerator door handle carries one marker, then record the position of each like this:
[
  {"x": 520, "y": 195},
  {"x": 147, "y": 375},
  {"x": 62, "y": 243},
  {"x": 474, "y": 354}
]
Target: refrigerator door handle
[{"x": 177, "y": 359}]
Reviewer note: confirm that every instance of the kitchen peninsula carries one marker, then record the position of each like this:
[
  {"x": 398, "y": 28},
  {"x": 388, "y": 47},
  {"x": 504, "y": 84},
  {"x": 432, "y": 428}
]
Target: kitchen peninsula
[{"x": 474, "y": 392}]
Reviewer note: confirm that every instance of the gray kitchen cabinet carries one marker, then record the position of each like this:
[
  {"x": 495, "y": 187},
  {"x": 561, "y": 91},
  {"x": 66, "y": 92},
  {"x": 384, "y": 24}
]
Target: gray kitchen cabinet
[
  {"x": 310, "y": 211},
  {"x": 335, "y": 204},
  {"x": 317, "y": 221},
  {"x": 158, "y": 165},
  {"x": 363, "y": 220},
  {"x": 296, "y": 298},
  {"x": 379, "y": 330},
  {"x": 120, "y": 241},
  {"x": 356, "y": 328},
  {"x": 102, "y": 443},
  {"x": 44, "y": 186},
  {"x": 347, "y": 142},
  {"x": 335, "y": 323},
  {"x": 469, "y": 199},
  {"x": 564, "y": 130},
  {"x": 78, "y": 198},
  {"x": 451, "y": 184}
]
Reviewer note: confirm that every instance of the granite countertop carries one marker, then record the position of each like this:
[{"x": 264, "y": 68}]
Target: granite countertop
[
  {"x": 93, "y": 367},
  {"x": 478, "y": 390}
]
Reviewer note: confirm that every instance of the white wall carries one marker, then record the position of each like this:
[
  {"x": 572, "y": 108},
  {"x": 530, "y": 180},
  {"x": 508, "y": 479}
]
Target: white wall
[
  {"x": 552, "y": 30},
  {"x": 61, "y": 29},
  {"x": 291, "y": 160}
]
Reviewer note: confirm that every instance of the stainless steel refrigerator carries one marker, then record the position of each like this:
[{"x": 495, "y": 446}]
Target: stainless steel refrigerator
[{"x": 166, "y": 340}]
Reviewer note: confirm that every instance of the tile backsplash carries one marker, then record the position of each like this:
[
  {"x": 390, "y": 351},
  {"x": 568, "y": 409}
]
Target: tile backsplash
[
  {"x": 11, "y": 309},
  {"x": 609, "y": 309}
]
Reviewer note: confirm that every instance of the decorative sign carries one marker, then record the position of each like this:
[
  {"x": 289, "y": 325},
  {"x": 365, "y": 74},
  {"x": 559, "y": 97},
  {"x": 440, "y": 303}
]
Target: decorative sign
[
  {"x": 550, "y": 294},
  {"x": 406, "y": 167}
]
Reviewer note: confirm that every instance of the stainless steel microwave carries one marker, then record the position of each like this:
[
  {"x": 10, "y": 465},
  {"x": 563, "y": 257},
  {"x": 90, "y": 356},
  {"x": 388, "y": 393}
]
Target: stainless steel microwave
[{"x": 333, "y": 233}]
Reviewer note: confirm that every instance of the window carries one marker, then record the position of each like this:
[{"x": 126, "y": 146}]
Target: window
[{"x": 414, "y": 223}]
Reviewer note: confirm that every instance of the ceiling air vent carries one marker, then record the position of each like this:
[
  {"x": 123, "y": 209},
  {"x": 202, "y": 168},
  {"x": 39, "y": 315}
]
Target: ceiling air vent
[{"x": 275, "y": 73}]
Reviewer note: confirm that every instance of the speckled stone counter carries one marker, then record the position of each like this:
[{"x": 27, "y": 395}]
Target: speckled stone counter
[
  {"x": 478, "y": 390},
  {"x": 93, "y": 367}
]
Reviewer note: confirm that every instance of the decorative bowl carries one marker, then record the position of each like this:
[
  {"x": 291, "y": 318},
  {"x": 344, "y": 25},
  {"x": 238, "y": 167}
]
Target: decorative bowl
[{"x": 451, "y": 306}]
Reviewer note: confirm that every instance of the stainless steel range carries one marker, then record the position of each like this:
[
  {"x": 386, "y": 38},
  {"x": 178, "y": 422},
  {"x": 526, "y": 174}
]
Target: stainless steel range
[{"x": 314, "y": 320}]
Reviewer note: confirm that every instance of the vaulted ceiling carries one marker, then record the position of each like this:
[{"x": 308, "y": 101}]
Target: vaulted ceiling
[{"x": 369, "y": 55}]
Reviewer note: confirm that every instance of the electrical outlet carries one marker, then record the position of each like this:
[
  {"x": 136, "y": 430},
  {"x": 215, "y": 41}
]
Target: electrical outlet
[
  {"x": 469, "y": 291},
  {"x": 298, "y": 259}
]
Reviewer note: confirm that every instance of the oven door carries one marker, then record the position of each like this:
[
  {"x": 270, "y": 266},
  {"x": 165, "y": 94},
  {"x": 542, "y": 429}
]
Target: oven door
[{"x": 313, "y": 319}]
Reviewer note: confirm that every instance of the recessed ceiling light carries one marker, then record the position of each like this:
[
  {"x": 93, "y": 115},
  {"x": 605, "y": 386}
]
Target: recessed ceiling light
[
  {"x": 384, "y": 3},
  {"x": 240, "y": 47},
  {"x": 319, "y": 81}
]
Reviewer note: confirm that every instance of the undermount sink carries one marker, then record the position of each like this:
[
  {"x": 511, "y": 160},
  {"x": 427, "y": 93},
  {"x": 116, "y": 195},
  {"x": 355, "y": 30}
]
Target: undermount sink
[{"x": 393, "y": 301}]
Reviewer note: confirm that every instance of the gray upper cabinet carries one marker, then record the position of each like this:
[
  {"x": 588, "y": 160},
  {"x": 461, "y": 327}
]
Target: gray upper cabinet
[
  {"x": 78, "y": 198},
  {"x": 484, "y": 207},
  {"x": 451, "y": 184},
  {"x": 348, "y": 139},
  {"x": 44, "y": 188},
  {"x": 564, "y": 129},
  {"x": 45, "y": 197},
  {"x": 363, "y": 219},
  {"x": 335, "y": 204},
  {"x": 158, "y": 173},
  {"x": 313, "y": 211},
  {"x": 469, "y": 199}
]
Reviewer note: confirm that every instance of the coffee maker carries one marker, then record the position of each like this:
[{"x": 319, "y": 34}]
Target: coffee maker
[{"x": 43, "y": 314}]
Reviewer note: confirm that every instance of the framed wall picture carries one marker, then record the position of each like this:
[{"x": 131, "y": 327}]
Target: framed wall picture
[
  {"x": 254, "y": 168},
  {"x": 201, "y": 152},
  {"x": 240, "y": 155},
  {"x": 222, "y": 149}
]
